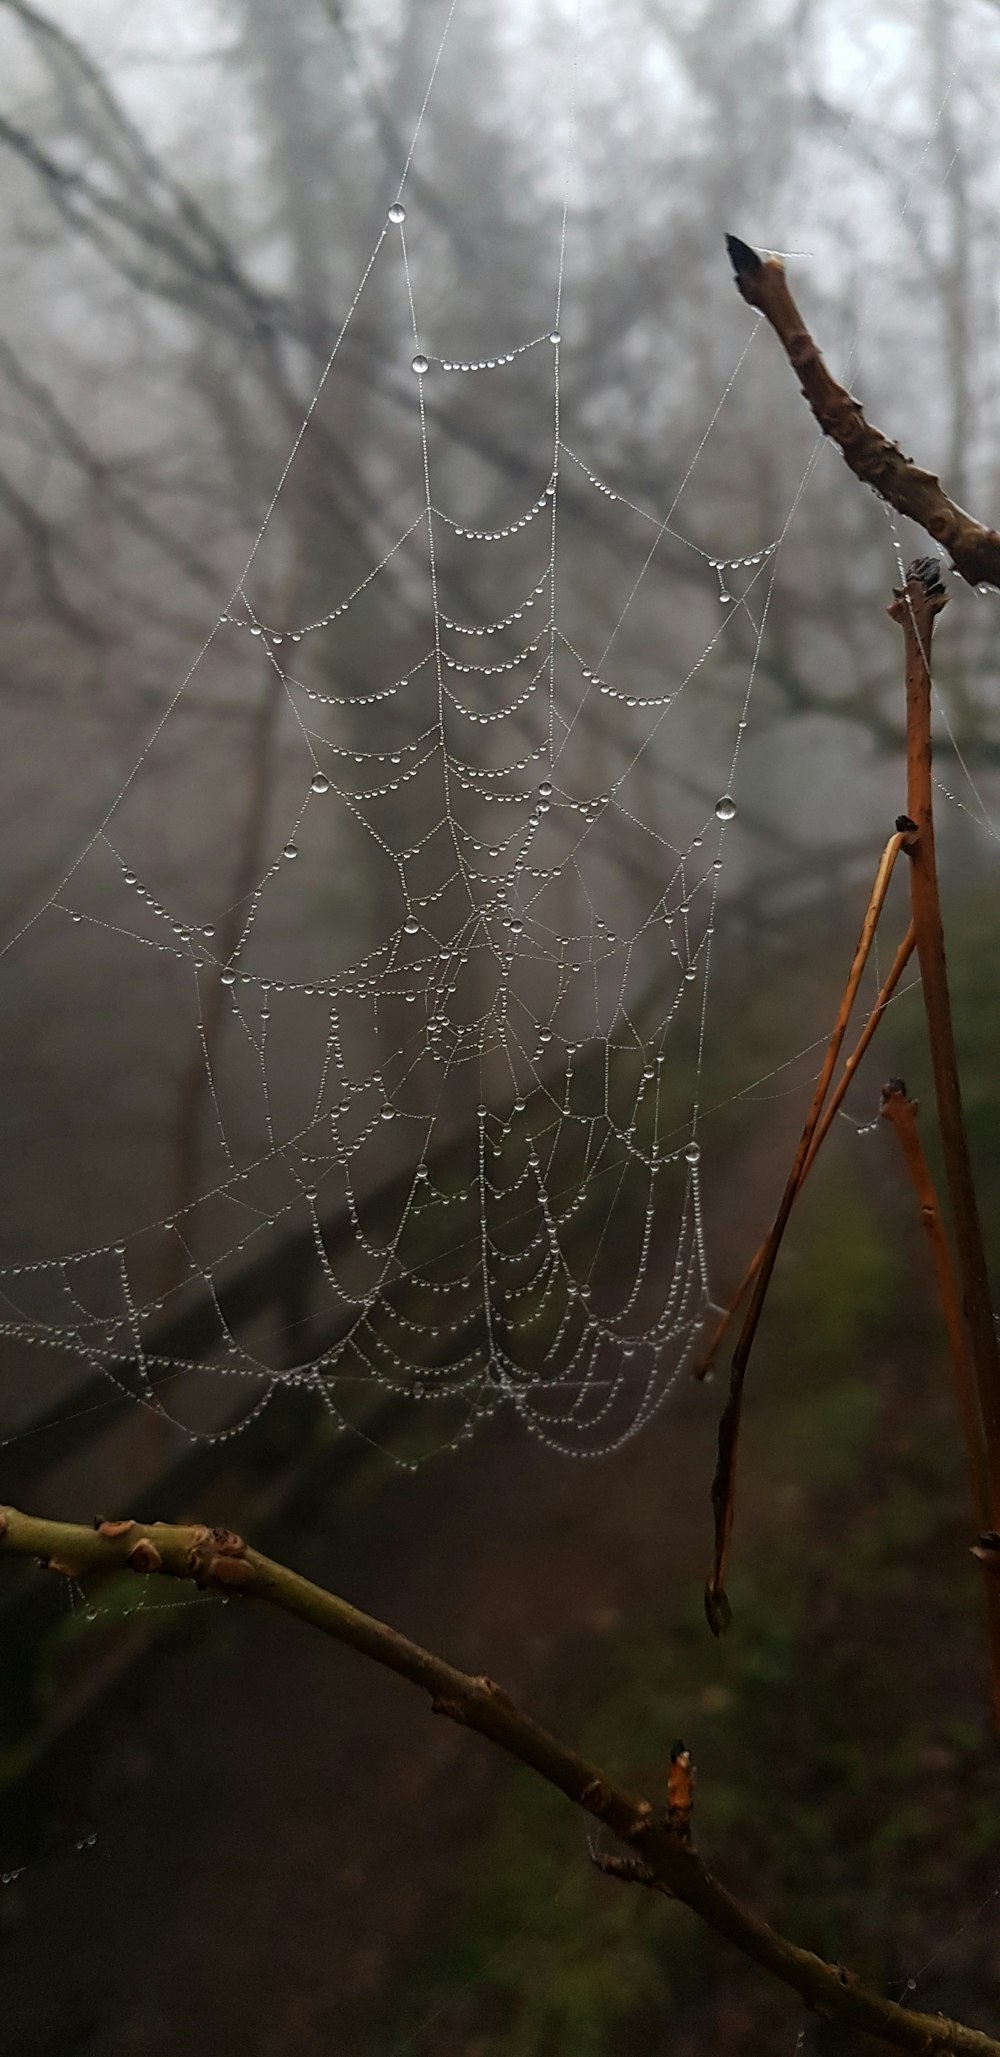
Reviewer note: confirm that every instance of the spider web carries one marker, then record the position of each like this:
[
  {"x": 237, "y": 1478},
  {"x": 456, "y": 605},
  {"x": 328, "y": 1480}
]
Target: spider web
[{"x": 476, "y": 1083}]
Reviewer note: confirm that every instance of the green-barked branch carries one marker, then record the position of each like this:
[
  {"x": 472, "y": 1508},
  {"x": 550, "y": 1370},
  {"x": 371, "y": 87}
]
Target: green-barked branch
[{"x": 658, "y": 1851}]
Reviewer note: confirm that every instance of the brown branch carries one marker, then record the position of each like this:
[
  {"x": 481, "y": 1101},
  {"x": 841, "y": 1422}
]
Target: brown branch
[
  {"x": 915, "y": 608},
  {"x": 901, "y": 1113},
  {"x": 705, "y": 1362},
  {"x": 724, "y": 1482},
  {"x": 659, "y": 1853},
  {"x": 879, "y": 463}
]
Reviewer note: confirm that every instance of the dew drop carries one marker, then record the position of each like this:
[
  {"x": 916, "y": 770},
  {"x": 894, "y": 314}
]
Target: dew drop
[
  {"x": 725, "y": 808},
  {"x": 319, "y": 783},
  {"x": 554, "y": 336},
  {"x": 693, "y": 1153},
  {"x": 228, "y": 978},
  {"x": 419, "y": 364},
  {"x": 290, "y": 850},
  {"x": 411, "y": 927},
  {"x": 397, "y": 213},
  {"x": 545, "y": 790}
]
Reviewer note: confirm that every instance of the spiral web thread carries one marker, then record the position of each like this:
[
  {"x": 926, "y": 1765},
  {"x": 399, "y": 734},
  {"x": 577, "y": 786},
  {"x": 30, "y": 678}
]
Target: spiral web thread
[{"x": 523, "y": 1027}]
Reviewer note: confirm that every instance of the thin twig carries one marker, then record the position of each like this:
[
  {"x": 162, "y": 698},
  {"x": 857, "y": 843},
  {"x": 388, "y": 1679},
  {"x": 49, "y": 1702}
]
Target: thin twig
[
  {"x": 915, "y": 608},
  {"x": 219, "y": 1560},
  {"x": 724, "y": 1483},
  {"x": 974, "y": 550},
  {"x": 707, "y": 1358},
  {"x": 901, "y": 1113}
]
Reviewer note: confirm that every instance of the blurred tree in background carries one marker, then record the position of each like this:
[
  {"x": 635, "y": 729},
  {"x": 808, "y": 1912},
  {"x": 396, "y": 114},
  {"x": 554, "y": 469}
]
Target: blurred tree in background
[{"x": 192, "y": 195}]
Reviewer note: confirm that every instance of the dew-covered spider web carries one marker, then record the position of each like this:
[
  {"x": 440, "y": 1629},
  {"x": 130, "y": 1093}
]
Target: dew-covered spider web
[{"x": 445, "y": 1047}]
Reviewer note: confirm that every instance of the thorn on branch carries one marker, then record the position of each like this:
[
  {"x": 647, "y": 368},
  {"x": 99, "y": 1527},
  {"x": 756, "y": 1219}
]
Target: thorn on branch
[
  {"x": 745, "y": 261},
  {"x": 927, "y": 571},
  {"x": 680, "y": 1792},
  {"x": 594, "y": 1796},
  {"x": 718, "y": 1612}
]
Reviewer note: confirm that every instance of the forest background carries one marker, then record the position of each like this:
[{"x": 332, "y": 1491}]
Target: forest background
[{"x": 190, "y": 198}]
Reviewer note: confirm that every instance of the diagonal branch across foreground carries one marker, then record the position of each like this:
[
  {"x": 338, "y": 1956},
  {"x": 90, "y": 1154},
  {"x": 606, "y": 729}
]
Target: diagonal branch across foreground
[{"x": 662, "y": 1855}]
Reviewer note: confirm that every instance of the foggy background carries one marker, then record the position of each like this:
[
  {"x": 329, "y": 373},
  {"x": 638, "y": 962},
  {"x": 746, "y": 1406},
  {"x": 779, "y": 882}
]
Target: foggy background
[{"x": 192, "y": 196}]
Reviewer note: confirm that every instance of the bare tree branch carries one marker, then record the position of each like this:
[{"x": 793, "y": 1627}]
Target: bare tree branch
[
  {"x": 658, "y": 1838},
  {"x": 879, "y": 463}
]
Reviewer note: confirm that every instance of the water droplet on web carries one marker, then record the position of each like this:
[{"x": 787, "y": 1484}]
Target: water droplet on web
[
  {"x": 725, "y": 808},
  {"x": 228, "y": 978},
  {"x": 725, "y": 597},
  {"x": 554, "y": 336},
  {"x": 545, "y": 790},
  {"x": 388, "y": 1114},
  {"x": 290, "y": 850},
  {"x": 397, "y": 213},
  {"x": 693, "y": 1153},
  {"x": 690, "y": 973},
  {"x": 319, "y": 783},
  {"x": 411, "y": 926},
  {"x": 419, "y": 364}
]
